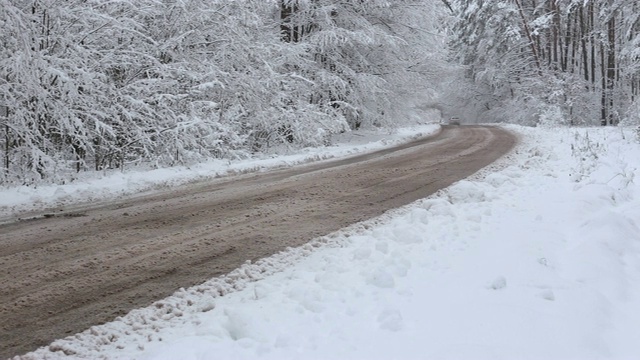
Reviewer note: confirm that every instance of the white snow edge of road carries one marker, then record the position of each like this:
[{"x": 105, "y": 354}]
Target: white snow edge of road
[{"x": 100, "y": 186}]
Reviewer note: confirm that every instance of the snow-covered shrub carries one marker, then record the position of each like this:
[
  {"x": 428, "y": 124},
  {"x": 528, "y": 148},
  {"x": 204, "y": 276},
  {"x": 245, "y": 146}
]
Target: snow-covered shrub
[
  {"x": 551, "y": 116},
  {"x": 586, "y": 152},
  {"x": 632, "y": 119},
  {"x": 93, "y": 85}
]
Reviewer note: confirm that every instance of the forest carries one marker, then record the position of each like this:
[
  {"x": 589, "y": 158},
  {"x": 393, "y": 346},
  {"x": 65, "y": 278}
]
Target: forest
[
  {"x": 93, "y": 85},
  {"x": 568, "y": 62}
]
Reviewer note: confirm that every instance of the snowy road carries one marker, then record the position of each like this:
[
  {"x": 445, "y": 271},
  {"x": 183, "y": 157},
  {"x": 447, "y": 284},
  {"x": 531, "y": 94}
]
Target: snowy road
[{"x": 86, "y": 266}]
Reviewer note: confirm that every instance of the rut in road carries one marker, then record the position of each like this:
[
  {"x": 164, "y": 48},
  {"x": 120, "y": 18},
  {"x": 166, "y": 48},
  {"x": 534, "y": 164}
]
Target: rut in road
[{"x": 62, "y": 275}]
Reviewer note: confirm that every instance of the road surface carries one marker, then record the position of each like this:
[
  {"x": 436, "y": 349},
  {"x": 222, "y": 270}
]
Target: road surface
[{"x": 69, "y": 269}]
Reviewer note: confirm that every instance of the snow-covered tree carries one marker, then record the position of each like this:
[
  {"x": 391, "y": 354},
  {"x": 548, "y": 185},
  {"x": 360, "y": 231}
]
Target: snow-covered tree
[
  {"x": 571, "y": 55},
  {"x": 89, "y": 84}
]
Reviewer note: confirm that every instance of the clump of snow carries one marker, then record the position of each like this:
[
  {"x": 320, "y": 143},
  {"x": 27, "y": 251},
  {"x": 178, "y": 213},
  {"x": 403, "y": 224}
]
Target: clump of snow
[
  {"x": 466, "y": 191},
  {"x": 521, "y": 260},
  {"x": 548, "y": 295},
  {"x": 499, "y": 283}
]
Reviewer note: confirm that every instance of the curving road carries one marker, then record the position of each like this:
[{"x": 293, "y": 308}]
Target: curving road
[{"x": 69, "y": 270}]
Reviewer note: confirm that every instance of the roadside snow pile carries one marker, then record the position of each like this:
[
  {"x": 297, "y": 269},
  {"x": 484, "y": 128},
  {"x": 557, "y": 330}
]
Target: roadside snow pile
[
  {"x": 96, "y": 186},
  {"x": 535, "y": 257}
]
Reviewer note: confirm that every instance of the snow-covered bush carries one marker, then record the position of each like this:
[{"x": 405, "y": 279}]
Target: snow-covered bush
[
  {"x": 551, "y": 116},
  {"x": 96, "y": 85},
  {"x": 587, "y": 153}
]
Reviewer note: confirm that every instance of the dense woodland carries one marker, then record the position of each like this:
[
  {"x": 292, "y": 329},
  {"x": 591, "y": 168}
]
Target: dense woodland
[
  {"x": 573, "y": 62},
  {"x": 93, "y": 84},
  {"x": 90, "y": 85}
]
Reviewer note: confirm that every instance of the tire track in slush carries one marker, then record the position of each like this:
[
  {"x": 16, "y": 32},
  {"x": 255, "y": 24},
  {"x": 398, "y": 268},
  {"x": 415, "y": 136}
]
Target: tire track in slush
[{"x": 62, "y": 275}]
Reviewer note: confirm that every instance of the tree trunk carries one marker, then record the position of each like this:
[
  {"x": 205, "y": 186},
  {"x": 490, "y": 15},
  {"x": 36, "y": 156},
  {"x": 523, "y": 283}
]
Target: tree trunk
[
  {"x": 7, "y": 147},
  {"x": 290, "y": 32},
  {"x": 593, "y": 45},
  {"x": 554, "y": 32},
  {"x": 603, "y": 97},
  {"x": 527, "y": 32},
  {"x": 583, "y": 42},
  {"x": 611, "y": 67},
  {"x": 448, "y": 5}
]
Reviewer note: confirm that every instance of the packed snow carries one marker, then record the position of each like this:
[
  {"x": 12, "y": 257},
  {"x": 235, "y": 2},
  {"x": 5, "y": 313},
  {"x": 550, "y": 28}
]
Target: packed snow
[{"x": 534, "y": 257}]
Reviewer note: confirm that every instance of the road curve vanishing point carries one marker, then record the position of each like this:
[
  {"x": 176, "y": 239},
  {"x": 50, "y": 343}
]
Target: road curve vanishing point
[{"x": 62, "y": 274}]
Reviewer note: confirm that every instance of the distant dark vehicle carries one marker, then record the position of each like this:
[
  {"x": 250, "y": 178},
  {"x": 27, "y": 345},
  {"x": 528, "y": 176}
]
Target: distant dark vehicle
[{"x": 454, "y": 121}]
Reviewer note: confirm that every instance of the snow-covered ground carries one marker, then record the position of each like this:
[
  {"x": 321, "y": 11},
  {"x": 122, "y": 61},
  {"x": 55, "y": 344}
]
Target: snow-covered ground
[{"x": 535, "y": 257}]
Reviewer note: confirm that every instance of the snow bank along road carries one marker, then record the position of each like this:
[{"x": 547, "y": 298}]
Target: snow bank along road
[{"x": 73, "y": 268}]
